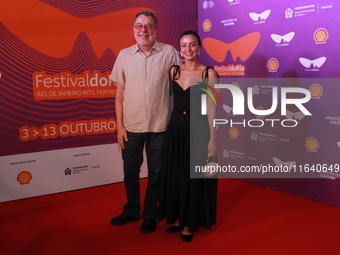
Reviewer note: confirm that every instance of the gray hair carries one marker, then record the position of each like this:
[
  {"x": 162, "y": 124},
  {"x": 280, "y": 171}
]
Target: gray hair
[{"x": 147, "y": 14}]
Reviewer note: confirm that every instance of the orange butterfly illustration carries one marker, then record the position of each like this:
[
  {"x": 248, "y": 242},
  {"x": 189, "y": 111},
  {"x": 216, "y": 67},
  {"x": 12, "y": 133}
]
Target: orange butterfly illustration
[
  {"x": 53, "y": 32},
  {"x": 242, "y": 47}
]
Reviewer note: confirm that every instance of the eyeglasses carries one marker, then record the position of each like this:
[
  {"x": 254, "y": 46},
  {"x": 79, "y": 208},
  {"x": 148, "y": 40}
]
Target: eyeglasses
[{"x": 139, "y": 26}]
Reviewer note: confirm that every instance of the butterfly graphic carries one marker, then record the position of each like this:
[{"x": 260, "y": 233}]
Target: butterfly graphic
[
  {"x": 339, "y": 145},
  {"x": 286, "y": 38},
  {"x": 289, "y": 164},
  {"x": 227, "y": 109},
  {"x": 242, "y": 47},
  {"x": 316, "y": 62},
  {"x": 297, "y": 115},
  {"x": 263, "y": 16},
  {"x": 41, "y": 19}
]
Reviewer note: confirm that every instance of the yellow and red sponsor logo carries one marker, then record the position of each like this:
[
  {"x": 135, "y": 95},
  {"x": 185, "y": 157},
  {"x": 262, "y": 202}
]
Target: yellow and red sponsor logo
[
  {"x": 320, "y": 36},
  {"x": 206, "y": 25},
  {"x": 24, "y": 177},
  {"x": 233, "y": 132},
  {"x": 260, "y": 117},
  {"x": 315, "y": 91},
  {"x": 272, "y": 65},
  {"x": 312, "y": 144},
  {"x": 236, "y": 84}
]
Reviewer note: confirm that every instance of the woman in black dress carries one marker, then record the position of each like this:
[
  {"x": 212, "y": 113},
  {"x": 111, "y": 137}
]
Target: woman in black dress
[{"x": 189, "y": 202}]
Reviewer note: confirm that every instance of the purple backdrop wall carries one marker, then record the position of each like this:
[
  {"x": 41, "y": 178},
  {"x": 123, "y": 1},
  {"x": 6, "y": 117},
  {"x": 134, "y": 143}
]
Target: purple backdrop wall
[{"x": 282, "y": 44}]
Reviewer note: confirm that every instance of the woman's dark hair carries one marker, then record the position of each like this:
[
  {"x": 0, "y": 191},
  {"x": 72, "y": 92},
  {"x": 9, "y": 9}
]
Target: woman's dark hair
[
  {"x": 147, "y": 14},
  {"x": 191, "y": 32}
]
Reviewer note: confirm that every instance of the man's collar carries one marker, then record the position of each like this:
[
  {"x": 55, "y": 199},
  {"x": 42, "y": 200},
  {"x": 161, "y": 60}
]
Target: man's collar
[{"x": 155, "y": 46}]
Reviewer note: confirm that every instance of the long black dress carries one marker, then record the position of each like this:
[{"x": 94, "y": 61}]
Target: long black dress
[{"x": 192, "y": 201}]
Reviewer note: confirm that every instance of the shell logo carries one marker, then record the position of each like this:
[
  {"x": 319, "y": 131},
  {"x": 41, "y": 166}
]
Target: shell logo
[
  {"x": 233, "y": 132},
  {"x": 236, "y": 84},
  {"x": 312, "y": 144},
  {"x": 260, "y": 117},
  {"x": 272, "y": 65},
  {"x": 24, "y": 177},
  {"x": 315, "y": 91},
  {"x": 320, "y": 36},
  {"x": 206, "y": 25}
]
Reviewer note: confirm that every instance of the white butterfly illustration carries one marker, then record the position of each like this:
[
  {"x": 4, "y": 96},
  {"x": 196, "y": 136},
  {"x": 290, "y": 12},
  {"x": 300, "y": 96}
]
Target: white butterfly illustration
[
  {"x": 316, "y": 62},
  {"x": 227, "y": 108},
  {"x": 255, "y": 16},
  {"x": 297, "y": 115},
  {"x": 339, "y": 145},
  {"x": 289, "y": 164},
  {"x": 286, "y": 38}
]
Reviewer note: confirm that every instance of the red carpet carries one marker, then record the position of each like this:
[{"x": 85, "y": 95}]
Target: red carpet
[{"x": 251, "y": 220}]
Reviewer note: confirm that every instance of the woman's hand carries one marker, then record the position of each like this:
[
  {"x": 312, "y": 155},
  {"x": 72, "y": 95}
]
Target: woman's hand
[{"x": 212, "y": 148}]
